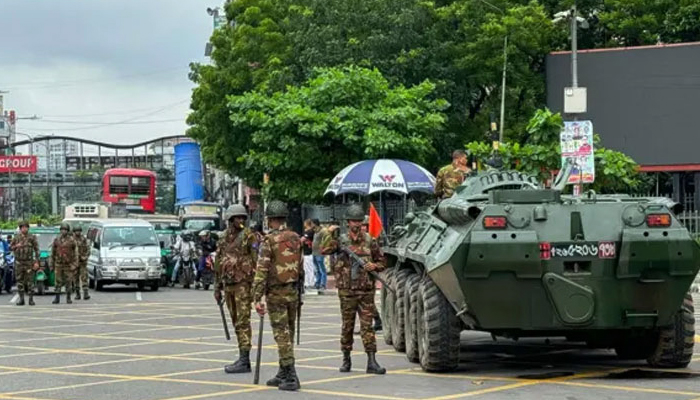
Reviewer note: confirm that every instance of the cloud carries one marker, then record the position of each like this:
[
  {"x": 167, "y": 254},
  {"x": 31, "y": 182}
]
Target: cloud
[{"x": 102, "y": 61}]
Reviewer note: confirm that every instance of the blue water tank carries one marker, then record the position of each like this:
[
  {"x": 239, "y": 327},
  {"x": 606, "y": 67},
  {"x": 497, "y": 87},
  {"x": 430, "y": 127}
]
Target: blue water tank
[{"x": 188, "y": 173}]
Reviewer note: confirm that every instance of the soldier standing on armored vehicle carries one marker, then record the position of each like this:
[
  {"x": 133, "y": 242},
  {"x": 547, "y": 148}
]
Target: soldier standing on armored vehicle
[
  {"x": 234, "y": 268},
  {"x": 81, "y": 276},
  {"x": 64, "y": 259},
  {"x": 452, "y": 175},
  {"x": 356, "y": 292},
  {"x": 26, "y": 250},
  {"x": 279, "y": 273}
]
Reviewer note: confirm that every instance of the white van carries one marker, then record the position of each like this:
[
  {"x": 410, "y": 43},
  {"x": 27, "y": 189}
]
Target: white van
[{"x": 123, "y": 251}]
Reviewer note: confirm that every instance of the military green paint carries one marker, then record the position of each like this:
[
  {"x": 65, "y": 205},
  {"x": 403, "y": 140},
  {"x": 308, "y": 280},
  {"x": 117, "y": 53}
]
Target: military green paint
[{"x": 609, "y": 270}]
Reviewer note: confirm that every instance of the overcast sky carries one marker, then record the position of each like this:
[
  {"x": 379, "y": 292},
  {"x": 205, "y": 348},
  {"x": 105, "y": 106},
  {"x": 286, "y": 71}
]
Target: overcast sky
[{"x": 88, "y": 66}]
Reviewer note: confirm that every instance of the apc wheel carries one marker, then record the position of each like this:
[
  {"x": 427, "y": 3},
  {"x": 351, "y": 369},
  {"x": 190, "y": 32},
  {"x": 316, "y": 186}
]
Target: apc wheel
[
  {"x": 411, "y": 294},
  {"x": 387, "y": 307},
  {"x": 675, "y": 345},
  {"x": 398, "y": 324},
  {"x": 438, "y": 330}
]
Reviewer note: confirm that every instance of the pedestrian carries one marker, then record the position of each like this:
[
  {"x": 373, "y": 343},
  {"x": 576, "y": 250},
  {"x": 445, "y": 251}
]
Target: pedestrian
[
  {"x": 356, "y": 295},
  {"x": 207, "y": 246},
  {"x": 234, "y": 268},
  {"x": 452, "y": 175},
  {"x": 26, "y": 250},
  {"x": 278, "y": 277},
  {"x": 307, "y": 240},
  {"x": 319, "y": 259},
  {"x": 81, "y": 277},
  {"x": 64, "y": 260}
]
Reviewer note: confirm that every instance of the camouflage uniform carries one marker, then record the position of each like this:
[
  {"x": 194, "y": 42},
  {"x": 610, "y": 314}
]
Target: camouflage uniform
[
  {"x": 280, "y": 271},
  {"x": 64, "y": 259},
  {"x": 81, "y": 276},
  {"x": 26, "y": 250},
  {"x": 448, "y": 178},
  {"x": 234, "y": 269},
  {"x": 356, "y": 296}
]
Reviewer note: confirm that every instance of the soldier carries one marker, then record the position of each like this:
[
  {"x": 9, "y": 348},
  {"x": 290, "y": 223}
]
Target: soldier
[
  {"x": 234, "y": 268},
  {"x": 279, "y": 273},
  {"x": 26, "y": 250},
  {"x": 452, "y": 175},
  {"x": 83, "y": 254},
  {"x": 356, "y": 296},
  {"x": 64, "y": 259},
  {"x": 375, "y": 311}
]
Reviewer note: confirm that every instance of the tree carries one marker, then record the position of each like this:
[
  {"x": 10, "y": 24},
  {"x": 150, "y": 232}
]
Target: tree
[
  {"x": 540, "y": 154},
  {"x": 304, "y": 135}
]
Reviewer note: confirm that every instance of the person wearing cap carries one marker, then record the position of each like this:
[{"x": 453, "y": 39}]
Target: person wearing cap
[
  {"x": 26, "y": 250},
  {"x": 81, "y": 277},
  {"x": 64, "y": 260},
  {"x": 206, "y": 246}
]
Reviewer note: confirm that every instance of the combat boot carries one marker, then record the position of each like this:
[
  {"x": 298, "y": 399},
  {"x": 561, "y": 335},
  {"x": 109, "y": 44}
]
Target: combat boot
[
  {"x": 77, "y": 294},
  {"x": 21, "y": 299},
  {"x": 31, "y": 299},
  {"x": 68, "y": 300},
  {"x": 347, "y": 364},
  {"x": 372, "y": 366},
  {"x": 240, "y": 366},
  {"x": 86, "y": 295},
  {"x": 57, "y": 299},
  {"x": 291, "y": 381},
  {"x": 277, "y": 379}
]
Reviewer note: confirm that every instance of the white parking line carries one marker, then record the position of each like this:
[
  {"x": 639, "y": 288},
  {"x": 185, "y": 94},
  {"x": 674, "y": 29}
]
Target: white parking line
[
  {"x": 14, "y": 298},
  {"x": 138, "y": 296}
]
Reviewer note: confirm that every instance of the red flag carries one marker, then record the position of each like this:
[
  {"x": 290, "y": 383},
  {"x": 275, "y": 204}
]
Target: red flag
[{"x": 375, "y": 223}]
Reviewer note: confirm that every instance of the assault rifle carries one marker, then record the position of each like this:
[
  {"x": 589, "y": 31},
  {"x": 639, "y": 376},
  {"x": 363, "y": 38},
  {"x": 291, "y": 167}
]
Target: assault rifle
[{"x": 358, "y": 263}]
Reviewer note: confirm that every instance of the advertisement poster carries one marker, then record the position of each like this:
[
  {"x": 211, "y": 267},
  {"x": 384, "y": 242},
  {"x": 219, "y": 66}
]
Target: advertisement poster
[{"x": 577, "y": 145}]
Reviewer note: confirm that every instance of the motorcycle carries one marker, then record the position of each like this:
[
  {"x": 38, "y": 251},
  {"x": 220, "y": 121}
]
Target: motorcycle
[
  {"x": 185, "y": 275},
  {"x": 206, "y": 276}
]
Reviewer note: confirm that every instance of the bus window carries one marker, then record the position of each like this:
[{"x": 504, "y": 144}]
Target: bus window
[
  {"x": 118, "y": 185},
  {"x": 140, "y": 185}
]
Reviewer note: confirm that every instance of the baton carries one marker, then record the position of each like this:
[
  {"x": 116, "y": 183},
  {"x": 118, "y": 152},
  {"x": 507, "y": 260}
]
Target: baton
[
  {"x": 223, "y": 319},
  {"x": 256, "y": 379}
]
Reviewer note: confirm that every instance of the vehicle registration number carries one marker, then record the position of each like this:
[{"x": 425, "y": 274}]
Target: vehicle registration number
[
  {"x": 602, "y": 250},
  {"x": 131, "y": 275}
]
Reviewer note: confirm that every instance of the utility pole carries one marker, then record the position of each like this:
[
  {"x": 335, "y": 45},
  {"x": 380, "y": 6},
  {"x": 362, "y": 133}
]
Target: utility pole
[{"x": 503, "y": 88}]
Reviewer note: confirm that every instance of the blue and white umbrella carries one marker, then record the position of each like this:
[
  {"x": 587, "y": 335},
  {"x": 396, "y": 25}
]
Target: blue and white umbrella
[{"x": 382, "y": 175}]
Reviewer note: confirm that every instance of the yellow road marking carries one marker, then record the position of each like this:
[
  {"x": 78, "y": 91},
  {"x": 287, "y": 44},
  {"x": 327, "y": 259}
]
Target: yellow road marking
[
  {"x": 483, "y": 391},
  {"x": 351, "y": 377},
  {"x": 207, "y": 395},
  {"x": 697, "y": 338},
  {"x": 464, "y": 377},
  {"x": 346, "y": 394}
]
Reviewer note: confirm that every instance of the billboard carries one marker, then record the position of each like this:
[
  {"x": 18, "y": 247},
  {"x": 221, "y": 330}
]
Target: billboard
[
  {"x": 577, "y": 145},
  {"x": 643, "y": 101},
  {"x": 18, "y": 164}
]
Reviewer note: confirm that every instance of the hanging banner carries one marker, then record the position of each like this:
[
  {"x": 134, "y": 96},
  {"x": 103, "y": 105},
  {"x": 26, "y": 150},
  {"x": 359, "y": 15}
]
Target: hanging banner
[
  {"x": 577, "y": 144},
  {"x": 18, "y": 164}
]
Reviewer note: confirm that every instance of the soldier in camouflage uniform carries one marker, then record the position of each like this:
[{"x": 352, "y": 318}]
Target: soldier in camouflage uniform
[
  {"x": 234, "y": 269},
  {"x": 280, "y": 271},
  {"x": 452, "y": 175},
  {"x": 81, "y": 277},
  {"x": 356, "y": 296},
  {"x": 64, "y": 260},
  {"x": 26, "y": 250}
]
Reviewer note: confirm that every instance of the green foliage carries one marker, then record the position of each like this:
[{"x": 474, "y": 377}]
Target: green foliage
[
  {"x": 540, "y": 156},
  {"x": 302, "y": 136},
  {"x": 45, "y": 220}
]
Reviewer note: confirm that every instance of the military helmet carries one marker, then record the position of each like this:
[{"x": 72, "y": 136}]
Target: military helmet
[
  {"x": 23, "y": 223},
  {"x": 355, "y": 212},
  {"x": 65, "y": 226},
  {"x": 236, "y": 210},
  {"x": 276, "y": 209},
  {"x": 78, "y": 228}
]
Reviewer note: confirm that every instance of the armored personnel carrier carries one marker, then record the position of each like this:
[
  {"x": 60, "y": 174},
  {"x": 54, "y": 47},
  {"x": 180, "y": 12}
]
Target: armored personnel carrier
[{"x": 505, "y": 255}]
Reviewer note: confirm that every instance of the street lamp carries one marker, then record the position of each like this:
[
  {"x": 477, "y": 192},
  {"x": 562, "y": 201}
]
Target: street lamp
[
  {"x": 503, "y": 81},
  {"x": 575, "y": 93}
]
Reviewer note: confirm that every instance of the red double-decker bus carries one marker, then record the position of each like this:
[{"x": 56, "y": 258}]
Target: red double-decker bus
[{"x": 135, "y": 188}]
